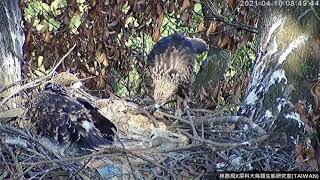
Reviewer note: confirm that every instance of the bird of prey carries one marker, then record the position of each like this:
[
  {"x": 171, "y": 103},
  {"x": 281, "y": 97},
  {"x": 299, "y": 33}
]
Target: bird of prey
[
  {"x": 66, "y": 117},
  {"x": 170, "y": 68}
]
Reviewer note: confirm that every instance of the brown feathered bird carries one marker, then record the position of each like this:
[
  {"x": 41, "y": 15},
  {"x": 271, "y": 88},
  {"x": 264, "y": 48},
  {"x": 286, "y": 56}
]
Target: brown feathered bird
[
  {"x": 66, "y": 116},
  {"x": 171, "y": 65}
]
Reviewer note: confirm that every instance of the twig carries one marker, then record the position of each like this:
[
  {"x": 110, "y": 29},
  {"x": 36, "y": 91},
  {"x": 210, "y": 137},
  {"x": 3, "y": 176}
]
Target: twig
[
  {"x": 127, "y": 158},
  {"x": 174, "y": 117},
  {"x": 78, "y": 158},
  {"x": 226, "y": 145},
  {"x": 207, "y": 120},
  {"x": 37, "y": 81},
  {"x": 216, "y": 16},
  {"x": 14, "y": 158}
]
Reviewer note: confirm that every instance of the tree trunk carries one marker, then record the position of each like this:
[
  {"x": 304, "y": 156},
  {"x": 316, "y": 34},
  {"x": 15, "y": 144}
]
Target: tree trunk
[
  {"x": 11, "y": 42},
  {"x": 289, "y": 37},
  {"x": 213, "y": 68}
]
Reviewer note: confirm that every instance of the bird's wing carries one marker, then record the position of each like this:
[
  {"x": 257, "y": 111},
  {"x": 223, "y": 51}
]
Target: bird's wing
[
  {"x": 66, "y": 120},
  {"x": 173, "y": 56},
  {"x": 100, "y": 121}
]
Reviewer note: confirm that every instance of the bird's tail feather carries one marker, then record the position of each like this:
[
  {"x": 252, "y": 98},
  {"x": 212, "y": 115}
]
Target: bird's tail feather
[{"x": 94, "y": 141}]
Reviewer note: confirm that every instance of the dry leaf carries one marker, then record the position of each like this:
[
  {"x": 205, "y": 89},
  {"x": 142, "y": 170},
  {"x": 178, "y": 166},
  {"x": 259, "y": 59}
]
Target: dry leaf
[
  {"x": 231, "y": 3},
  {"x": 160, "y": 20},
  {"x": 212, "y": 28},
  {"x": 47, "y": 37},
  {"x": 186, "y": 4},
  {"x": 201, "y": 27},
  {"x": 102, "y": 58},
  {"x": 224, "y": 41},
  {"x": 156, "y": 35}
]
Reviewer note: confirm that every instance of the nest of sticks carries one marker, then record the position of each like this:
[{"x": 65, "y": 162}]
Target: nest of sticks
[
  {"x": 148, "y": 145},
  {"x": 195, "y": 146}
]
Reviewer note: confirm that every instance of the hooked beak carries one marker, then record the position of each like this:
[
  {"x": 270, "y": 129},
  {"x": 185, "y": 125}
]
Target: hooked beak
[{"x": 77, "y": 85}]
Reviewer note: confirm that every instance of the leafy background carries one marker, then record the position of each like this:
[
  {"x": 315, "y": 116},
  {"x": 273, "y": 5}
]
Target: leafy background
[{"x": 113, "y": 38}]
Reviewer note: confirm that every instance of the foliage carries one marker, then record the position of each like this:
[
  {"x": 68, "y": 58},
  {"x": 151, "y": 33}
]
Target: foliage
[{"x": 114, "y": 37}]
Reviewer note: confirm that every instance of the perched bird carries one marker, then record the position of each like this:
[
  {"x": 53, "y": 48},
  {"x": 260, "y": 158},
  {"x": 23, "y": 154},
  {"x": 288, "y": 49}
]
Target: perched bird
[
  {"x": 66, "y": 116},
  {"x": 170, "y": 68}
]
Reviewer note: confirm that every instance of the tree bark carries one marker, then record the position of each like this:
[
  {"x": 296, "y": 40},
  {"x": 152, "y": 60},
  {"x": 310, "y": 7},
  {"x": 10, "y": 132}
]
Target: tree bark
[
  {"x": 289, "y": 37},
  {"x": 213, "y": 68},
  {"x": 11, "y": 42}
]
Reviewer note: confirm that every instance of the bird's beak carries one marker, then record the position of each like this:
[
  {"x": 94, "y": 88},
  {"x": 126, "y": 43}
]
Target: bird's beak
[{"x": 78, "y": 85}]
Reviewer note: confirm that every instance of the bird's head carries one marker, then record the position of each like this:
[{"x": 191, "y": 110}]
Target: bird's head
[
  {"x": 67, "y": 79},
  {"x": 164, "y": 89},
  {"x": 55, "y": 87}
]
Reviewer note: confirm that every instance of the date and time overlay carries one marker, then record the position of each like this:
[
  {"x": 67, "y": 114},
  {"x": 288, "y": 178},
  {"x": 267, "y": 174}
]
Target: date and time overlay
[{"x": 279, "y": 3}]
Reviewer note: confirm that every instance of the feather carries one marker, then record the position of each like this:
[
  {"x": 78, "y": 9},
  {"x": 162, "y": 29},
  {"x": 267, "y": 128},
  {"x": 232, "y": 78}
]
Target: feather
[
  {"x": 171, "y": 65},
  {"x": 65, "y": 118}
]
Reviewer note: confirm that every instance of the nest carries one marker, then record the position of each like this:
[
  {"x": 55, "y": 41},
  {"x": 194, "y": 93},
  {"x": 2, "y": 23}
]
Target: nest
[
  {"x": 197, "y": 146},
  {"x": 149, "y": 145}
]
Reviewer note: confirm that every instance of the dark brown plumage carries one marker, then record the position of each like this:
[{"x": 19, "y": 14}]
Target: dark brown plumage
[
  {"x": 68, "y": 118},
  {"x": 171, "y": 65}
]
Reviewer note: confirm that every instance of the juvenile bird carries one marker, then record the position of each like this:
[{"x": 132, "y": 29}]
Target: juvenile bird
[
  {"x": 170, "y": 68},
  {"x": 66, "y": 116}
]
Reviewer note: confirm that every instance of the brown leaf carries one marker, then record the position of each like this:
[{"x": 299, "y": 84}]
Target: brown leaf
[
  {"x": 245, "y": 84},
  {"x": 299, "y": 153},
  {"x": 93, "y": 2},
  {"x": 47, "y": 37},
  {"x": 186, "y": 4},
  {"x": 203, "y": 93},
  {"x": 156, "y": 35},
  {"x": 131, "y": 2},
  {"x": 201, "y": 27},
  {"x": 159, "y": 9},
  {"x": 102, "y": 58},
  {"x": 237, "y": 89},
  {"x": 240, "y": 18},
  {"x": 160, "y": 20},
  {"x": 100, "y": 83},
  {"x": 231, "y": 43},
  {"x": 224, "y": 41},
  {"x": 212, "y": 28},
  {"x": 231, "y": 3},
  {"x": 216, "y": 90}
]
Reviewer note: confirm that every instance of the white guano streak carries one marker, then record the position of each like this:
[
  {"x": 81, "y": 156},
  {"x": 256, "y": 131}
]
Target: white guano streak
[
  {"x": 273, "y": 28},
  {"x": 302, "y": 39},
  {"x": 277, "y": 76}
]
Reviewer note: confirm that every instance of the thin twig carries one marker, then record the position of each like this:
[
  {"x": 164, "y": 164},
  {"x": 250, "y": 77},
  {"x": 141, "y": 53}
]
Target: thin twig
[{"x": 37, "y": 81}]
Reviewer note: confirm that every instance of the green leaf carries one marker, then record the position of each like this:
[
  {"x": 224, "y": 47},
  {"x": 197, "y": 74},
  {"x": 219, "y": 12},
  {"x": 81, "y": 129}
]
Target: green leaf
[
  {"x": 198, "y": 8},
  {"x": 39, "y": 25},
  {"x": 56, "y": 6},
  {"x": 53, "y": 24},
  {"x": 81, "y": 1},
  {"x": 75, "y": 23},
  {"x": 40, "y": 71},
  {"x": 125, "y": 8},
  {"x": 35, "y": 8}
]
